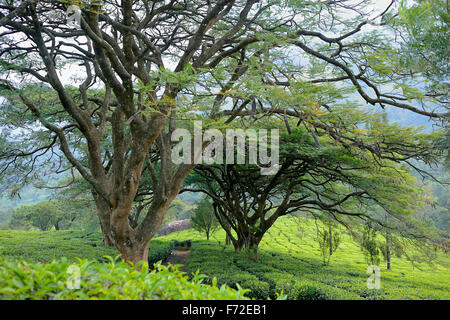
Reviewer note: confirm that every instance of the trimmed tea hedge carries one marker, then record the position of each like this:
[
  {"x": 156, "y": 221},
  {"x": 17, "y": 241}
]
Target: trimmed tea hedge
[
  {"x": 159, "y": 251},
  {"x": 46, "y": 246},
  {"x": 292, "y": 265}
]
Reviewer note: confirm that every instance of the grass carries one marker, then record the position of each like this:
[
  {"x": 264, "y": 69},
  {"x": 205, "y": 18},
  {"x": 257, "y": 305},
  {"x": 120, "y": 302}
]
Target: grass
[
  {"x": 289, "y": 263},
  {"x": 289, "y": 260}
]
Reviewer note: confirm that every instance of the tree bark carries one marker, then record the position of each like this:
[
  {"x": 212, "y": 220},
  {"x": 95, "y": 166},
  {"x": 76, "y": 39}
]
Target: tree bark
[
  {"x": 249, "y": 242},
  {"x": 388, "y": 246},
  {"x": 104, "y": 216},
  {"x": 238, "y": 244},
  {"x": 134, "y": 252},
  {"x": 330, "y": 234},
  {"x": 252, "y": 247},
  {"x": 388, "y": 256}
]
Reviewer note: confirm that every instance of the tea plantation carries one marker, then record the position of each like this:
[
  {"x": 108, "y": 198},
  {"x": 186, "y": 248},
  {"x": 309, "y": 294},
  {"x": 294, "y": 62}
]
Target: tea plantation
[
  {"x": 289, "y": 262},
  {"x": 46, "y": 246},
  {"x": 34, "y": 265}
]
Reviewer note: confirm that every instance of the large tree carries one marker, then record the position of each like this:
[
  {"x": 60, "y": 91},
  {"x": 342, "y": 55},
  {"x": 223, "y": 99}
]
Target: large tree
[
  {"x": 349, "y": 183},
  {"x": 145, "y": 67}
]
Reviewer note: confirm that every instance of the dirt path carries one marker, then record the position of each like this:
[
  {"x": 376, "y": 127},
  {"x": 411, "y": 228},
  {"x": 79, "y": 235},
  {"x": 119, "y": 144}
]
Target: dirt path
[{"x": 178, "y": 257}]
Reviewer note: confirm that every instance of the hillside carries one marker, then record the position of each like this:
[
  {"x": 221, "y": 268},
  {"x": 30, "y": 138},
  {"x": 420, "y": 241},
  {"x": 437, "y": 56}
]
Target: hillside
[
  {"x": 289, "y": 260},
  {"x": 289, "y": 263},
  {"x": 28, "y": 196}
]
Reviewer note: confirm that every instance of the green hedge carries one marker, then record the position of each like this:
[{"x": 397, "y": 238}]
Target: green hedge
[
  {"x": 159, "y": 251},
  {"x": 220, "y": 264},
  {"x": 21, "y": 280},
  {"x": 257, "y": 289},
  {"x": 265, "y": 279},
  {"x": 293, "y": 264},
  {"x": 46, "y": 246},
  {"x": 305, "y": 289}
]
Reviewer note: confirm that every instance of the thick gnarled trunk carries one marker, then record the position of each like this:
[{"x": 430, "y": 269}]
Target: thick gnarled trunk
[
  {"x": 131, "y": 247},
  {"x": 249, "y": 242},
  {"x": 134, "y": 252},
  {"x": 104, "y": 217},
  {"x": 133, "y": 244}
]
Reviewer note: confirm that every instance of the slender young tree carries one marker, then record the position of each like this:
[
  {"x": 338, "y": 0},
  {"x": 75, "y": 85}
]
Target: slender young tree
[{"x": 204, "y": 220}]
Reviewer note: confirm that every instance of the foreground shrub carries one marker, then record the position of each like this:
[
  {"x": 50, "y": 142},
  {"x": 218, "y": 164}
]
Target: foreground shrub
[{"x": 107, "y": 281}]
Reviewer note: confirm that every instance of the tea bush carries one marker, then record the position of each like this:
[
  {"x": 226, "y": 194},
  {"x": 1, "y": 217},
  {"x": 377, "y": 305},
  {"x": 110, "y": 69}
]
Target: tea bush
[
  {"x": 159, "y": 251},
  {"x": 287, "y": 264},
  {"x": 113, "y": 280},
  {"x": 46, "y": 246}
]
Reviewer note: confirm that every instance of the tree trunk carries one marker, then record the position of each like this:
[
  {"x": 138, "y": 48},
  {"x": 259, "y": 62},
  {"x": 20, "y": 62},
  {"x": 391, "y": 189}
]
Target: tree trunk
[
  {"x": 330, "y": 234},
  {"x": 134, "y": 252},
  {"x": 132, "y": 243},
  {"x": 388, "y": 257},
  {"x": 253, "y": 253},
  {"x": 238, "y": 244},
  {"x": 388, "y": 246},
  {"x": 252, "y": 247},
  {"x": 250, "y": 243},
  {"x": 131, "y": 249},
  {"x": 227, "y": 240},
  {"x": 104, "y": 217}
]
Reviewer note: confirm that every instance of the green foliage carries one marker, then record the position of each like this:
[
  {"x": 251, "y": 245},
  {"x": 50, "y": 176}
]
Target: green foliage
[
  {"x": 159, "y": 251},
  {"x": 25, "y": 196},
  {"x": 58, "y": 214},
  {"x": 49, "y": 245},
  {"x": 180, "y": 209},
  {"x": 369, "y": 245},
  {"x": 425, "y": 26},
  {"x": 204, "y": 220},
  {"x": 328, "y": 241},
  {"x": 103, "y": 281},
  {"x": 291, "y": 267},
  {"x": 299, "y": 289}
]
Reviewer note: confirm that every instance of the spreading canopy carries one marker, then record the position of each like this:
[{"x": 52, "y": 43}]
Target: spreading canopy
[{"x": 142, "y": 68}]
